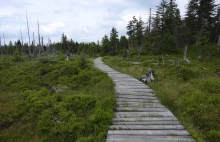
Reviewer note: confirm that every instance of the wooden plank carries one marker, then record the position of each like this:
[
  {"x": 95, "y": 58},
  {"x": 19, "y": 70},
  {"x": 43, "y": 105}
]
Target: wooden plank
[
  {"x": 133, "y": 87},
  {"x": 137, "y": 100},
  {"x": 126, "y": 138},
  {"x": 165, "y": 122},
  {"x": 131, "y": 109},
  {"x": 143, "y": 114},
  {"x": 147, "y": 127},
  {"x": 145, "y": 119},
  {"x": 139, "y": 105},
  {"x": 137, "y": 93},
  {"x": 149, "y": 132},
  {"x": 137, "y": 97},
  {"x": 134, "y": 92}
]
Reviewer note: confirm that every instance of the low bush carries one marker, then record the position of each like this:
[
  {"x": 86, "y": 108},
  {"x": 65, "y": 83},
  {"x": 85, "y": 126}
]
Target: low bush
[
  {"x": 82, "y": 111},
  {"x": 211, "y": 85},
  {"x": 186, "y": 72}
]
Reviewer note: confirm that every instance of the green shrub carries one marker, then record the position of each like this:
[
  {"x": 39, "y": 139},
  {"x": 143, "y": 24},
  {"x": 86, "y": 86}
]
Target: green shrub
[
  {"x": 85, "y": 139},
  {"x": 213, "y": 136},
  {"x": 82, "y": 62},
  {"x": 81, "y": 103},
  {"x": 57, "y": 116},
  {"x": 211, "y": 85},
  {"x": 17, "y": 57},
  {"x": 186, "y": 72},
  {"x": 46, "y": 122},
  {"x": 47, "y": 61}
]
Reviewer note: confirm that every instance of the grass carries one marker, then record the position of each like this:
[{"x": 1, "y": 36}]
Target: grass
[
  {"x": 190, "y": 92},
  {"x": 32, "y": 110}
]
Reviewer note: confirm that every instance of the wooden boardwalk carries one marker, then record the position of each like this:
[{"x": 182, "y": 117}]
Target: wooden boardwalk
[{"x": 139, "y": 116}]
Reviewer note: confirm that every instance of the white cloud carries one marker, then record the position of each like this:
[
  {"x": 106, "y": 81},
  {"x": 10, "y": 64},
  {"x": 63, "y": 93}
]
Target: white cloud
[
  {"x": 85, "y": 20},
  {"x": 52, "y": 28},
  {"x": 6, "y": 12}
]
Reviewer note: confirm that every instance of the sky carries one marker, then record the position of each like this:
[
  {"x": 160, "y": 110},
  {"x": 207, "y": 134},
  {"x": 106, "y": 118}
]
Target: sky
[{"x": 81, "y": 20}]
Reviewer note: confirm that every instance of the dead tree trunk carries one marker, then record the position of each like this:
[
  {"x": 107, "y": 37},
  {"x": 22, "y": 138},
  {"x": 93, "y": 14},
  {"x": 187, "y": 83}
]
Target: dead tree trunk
[
  {"x": 4, "y": 38},
  {"x": 42, "y": 43},
  {"x": 34, "y": 49},
  {"x": 150, "y": 22},
  {"x": 68, "y": 53},
  {"x": 29, "y": 47},
  {"x": 4, "y": 47},
  {"x": 21, "y": 42},
  {"x": 39, "y": 45},
  {"x": 48, "y": 46}
]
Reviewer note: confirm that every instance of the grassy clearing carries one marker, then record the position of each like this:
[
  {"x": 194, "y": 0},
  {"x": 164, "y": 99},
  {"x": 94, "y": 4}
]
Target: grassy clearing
[
  {"x": 55, "y": 101},
  {"x": 190, "y": 92}
]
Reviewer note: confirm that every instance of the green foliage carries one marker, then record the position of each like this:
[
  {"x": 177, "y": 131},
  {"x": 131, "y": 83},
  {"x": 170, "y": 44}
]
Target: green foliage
[
  {"x": 82, "y": 62},
  {"x": 213, "y": 136},
  {"x": 81, "y": 103},
  {"x": 211, "y": 85},
  {"x": 44, "y": 114},
  {"x": 11, "y": 108},
  {"x": 17, "y": 57},
  {"x": 186, "y": 72}
]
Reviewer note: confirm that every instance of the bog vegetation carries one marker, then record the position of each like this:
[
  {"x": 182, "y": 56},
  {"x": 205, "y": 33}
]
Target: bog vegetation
[{"x": 54, "y": 101}]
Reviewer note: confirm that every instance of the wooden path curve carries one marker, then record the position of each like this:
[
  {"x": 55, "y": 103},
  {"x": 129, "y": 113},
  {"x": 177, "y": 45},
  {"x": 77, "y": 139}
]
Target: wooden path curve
[{"x": 139, "y": 116}]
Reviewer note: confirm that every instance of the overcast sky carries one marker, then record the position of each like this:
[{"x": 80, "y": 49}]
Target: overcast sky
[{"x": 81, "y": 20}]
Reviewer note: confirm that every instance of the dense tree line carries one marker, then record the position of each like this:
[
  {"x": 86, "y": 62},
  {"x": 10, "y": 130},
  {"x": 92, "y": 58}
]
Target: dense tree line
[
  {"x": 65, "y": 46},
  {"x": 168, "y": 31}
]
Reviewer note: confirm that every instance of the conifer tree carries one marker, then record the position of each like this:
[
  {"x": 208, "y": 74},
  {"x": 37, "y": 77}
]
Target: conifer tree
[{"x": 113, "y": 40}]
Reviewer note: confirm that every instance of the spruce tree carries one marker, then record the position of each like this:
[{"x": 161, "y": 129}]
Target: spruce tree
[
  {"x": 192, "y": 21},
  {"x": 113, "y": 40},
  {"x": 105, "y": 45}
]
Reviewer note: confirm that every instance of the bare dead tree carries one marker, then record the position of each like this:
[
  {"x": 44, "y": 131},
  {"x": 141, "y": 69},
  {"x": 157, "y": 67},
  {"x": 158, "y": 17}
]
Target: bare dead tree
[
  {"x": 42, "y": 43},
  {"x": 4, "y": 38},
  {"x": 34, "y": 48},
  {"x": 48, "y": 47},
  {"x": 33, "y": 40},
  {"x": 39, "y": 46},
  {"x": 29, "y": 48},
  {"x": 150, "y": 22},
  {"x": 22, "y": 44}
]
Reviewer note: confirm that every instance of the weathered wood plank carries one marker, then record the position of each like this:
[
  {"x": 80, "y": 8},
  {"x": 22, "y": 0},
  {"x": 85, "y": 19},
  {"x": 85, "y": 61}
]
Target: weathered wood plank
[
  {"x": 147, "y": 122},
  {"x": 137, "y": 97},
  {"x": 137, "y": 93},
  {"x": 139, "y": 105},
  {"x": 145, "y": 119},
  {"x": 138, "y": 100},
  {"x": 149, "y": 132},
  {"x": 143, "y": 114},
  {"x": 131, "y": 109},
  {"x": 128, "y": 138},
  {"x": 147, "y": 127},
  {"x": 133, "y": 87}
]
